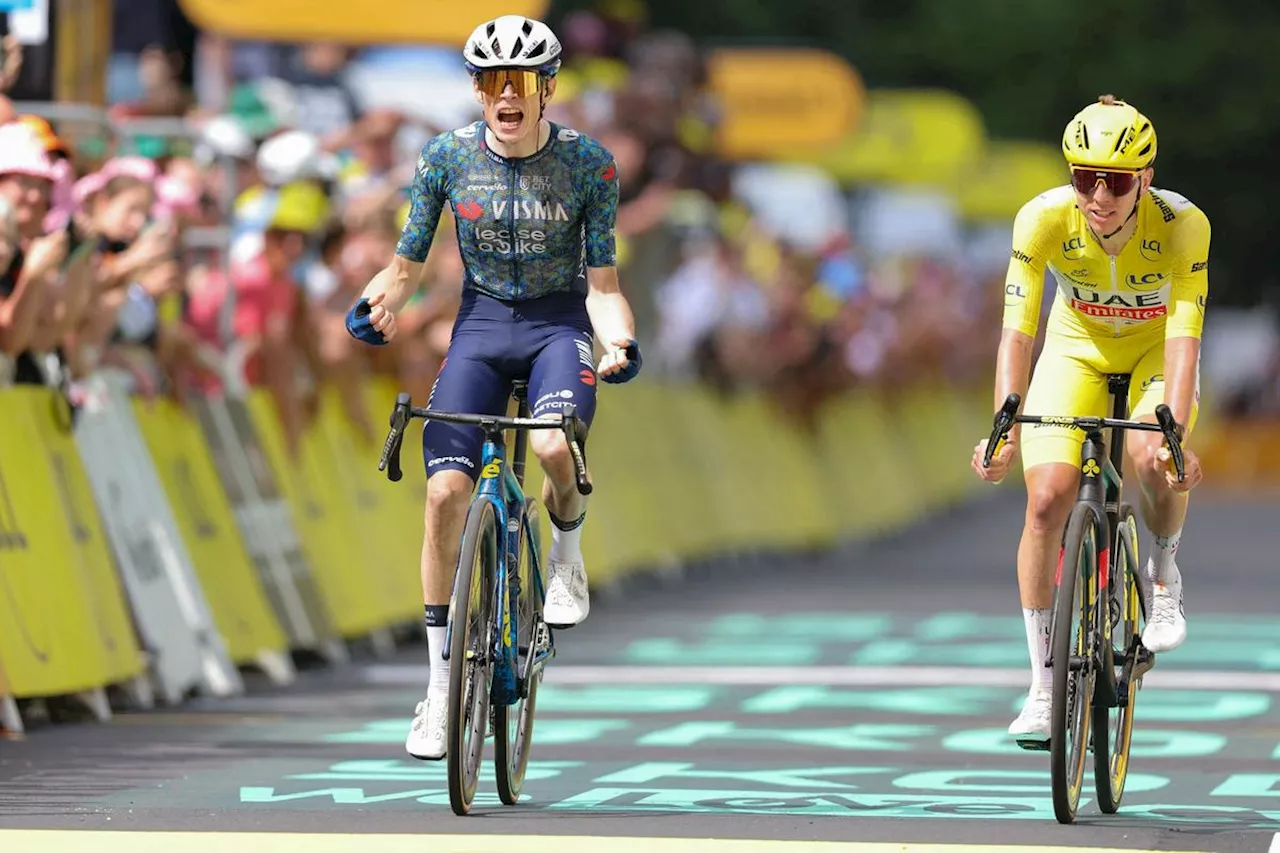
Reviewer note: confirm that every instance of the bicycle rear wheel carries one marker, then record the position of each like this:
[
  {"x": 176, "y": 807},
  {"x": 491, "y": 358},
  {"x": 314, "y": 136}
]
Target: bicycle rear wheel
[
  {"x": 470, "y": 666},
  {"x": 513, "y": 724},
  {"x": 1113, "y": 728},
  {"x": 1073, "y": 669}
]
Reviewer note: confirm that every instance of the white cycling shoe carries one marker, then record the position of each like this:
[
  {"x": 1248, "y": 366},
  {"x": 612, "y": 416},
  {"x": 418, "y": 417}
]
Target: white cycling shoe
[
  {"x": 427, "y": 734},
  {"x": 1166, "y": 627},
  {"x": 568, "y": 601},
  {"x": 1035, "y": 723}
]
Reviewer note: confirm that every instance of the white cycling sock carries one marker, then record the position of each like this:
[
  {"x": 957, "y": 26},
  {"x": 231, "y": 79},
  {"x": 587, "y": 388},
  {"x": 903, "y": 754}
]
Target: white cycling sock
[
  {"x": 1039, "y": 623},
  {"x": 566, "y": 545},
  {"x": 437, "y": 628},
  {"x": 1160, "y": 565}
]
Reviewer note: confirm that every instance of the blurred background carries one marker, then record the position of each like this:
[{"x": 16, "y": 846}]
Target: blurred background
[{"x": 817, "y": 197}]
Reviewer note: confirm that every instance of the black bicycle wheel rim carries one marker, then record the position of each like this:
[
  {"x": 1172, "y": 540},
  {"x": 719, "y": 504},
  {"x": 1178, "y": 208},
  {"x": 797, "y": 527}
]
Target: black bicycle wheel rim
[
  {"x": 513, "y": 724},
  {"x": 1072, "y": 688},
  {"x": 1113, "y": 729},
  {"x": 468, "y": 655}
]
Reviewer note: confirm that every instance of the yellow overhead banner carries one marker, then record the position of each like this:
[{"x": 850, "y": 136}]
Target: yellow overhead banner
[
  {"x": 363, "y": 22},
  {"x": 908, "y": 136},
  {"x": 1007, "y": 176},
  {"x": 779, "y": 101}
]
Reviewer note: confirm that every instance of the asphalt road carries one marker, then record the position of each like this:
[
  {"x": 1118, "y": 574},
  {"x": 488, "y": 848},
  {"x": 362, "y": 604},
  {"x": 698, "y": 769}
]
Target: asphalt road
[{"x": 859, "y": 697}]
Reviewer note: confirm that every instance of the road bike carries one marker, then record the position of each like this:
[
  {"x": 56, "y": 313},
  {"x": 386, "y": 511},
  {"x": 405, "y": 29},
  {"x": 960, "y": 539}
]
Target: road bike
[
  {"x": 500, "y": 645},
  {"x": 1098, "y": 601}
]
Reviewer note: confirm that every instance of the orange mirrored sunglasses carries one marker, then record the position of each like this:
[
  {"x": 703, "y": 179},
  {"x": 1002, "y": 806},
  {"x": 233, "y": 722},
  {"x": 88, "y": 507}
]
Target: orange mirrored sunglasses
[{"x": 524, "y": 82}]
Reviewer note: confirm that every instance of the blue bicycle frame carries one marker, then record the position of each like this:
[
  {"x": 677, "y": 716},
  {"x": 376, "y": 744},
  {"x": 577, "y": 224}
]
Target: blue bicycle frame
[{"x": 500, "y": 485}]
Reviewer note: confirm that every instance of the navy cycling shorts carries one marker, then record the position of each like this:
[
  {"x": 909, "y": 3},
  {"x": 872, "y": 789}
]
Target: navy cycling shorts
[{"x": 546, "y": 341}]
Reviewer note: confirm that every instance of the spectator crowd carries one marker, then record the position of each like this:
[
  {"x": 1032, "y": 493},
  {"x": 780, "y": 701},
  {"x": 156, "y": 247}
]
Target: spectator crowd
[{"x": 105, "y": 260}]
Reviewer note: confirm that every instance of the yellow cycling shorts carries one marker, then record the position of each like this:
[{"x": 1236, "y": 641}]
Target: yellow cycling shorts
[{"x": 1070, "y": 379}]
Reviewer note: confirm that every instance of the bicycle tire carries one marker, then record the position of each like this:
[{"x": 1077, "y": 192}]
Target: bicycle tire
[
  {"x": 1111, "y": 750},
  {"x": 511, "y": 750},
  {"x": 469, "y": 672},
  {"x": 1072, "y": 689}
]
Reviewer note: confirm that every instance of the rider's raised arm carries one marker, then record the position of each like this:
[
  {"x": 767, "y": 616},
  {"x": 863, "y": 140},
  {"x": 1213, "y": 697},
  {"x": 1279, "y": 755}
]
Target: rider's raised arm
[{"x": 428, "y": 195}]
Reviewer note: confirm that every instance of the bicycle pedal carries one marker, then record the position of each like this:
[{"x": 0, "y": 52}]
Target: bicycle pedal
[{"x": 1033, "y": 745}]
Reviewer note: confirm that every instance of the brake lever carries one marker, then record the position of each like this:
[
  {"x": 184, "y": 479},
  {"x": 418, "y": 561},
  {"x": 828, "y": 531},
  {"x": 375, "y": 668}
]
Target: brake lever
[
  {"x": 574, "y": 433},
  {"x": 390, "y": 460},
  {"x": 1003, "y": 422},
  {"x": 1170, "y": 429}
]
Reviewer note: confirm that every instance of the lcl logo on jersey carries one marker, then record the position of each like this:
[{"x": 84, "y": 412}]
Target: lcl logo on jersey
[
  {"x": 1150, "y": 250},
  {"x": 1146, "y": 281},
  {"x": 1073, "y": 248}
]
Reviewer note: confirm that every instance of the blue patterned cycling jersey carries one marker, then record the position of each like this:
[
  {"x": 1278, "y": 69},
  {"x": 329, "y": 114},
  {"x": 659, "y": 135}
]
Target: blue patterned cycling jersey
[{"x": 526, "y": 227}]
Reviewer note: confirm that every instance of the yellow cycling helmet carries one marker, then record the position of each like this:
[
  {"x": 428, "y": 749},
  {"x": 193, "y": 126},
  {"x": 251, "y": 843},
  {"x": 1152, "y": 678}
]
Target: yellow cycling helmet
[{"x": 1110, "y": 135}]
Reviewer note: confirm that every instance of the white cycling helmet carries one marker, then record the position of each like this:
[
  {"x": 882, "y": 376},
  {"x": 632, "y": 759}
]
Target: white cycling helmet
[{"x": 513, "y": 41}]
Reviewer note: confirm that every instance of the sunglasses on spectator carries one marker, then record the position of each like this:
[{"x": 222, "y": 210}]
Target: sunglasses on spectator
[
  {"x": 493, "y": 81},
  {"x": 1117, "y": 183}
]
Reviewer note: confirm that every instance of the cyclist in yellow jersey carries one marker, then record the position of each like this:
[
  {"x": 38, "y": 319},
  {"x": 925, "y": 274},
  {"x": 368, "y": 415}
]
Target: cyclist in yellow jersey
[{"x": 1130, "y": 262}]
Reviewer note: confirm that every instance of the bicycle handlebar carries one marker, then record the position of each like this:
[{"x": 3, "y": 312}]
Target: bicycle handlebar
[
  {"x": 568, "y": 421},
  {"x": 1008, "y": 416}
]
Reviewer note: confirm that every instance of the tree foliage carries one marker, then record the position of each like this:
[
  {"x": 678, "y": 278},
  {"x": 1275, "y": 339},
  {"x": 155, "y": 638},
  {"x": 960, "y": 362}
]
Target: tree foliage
[{"x": 1206, "y": 75}]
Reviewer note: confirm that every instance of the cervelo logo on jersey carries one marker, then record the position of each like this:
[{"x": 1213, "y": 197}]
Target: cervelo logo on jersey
[{"x": 1114, "y": 306}]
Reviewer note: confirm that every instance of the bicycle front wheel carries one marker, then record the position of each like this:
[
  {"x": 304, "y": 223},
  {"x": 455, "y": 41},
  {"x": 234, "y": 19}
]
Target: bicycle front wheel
[
  {"x": 1113, "y": 728},
  {"x": 1073, "y": 669},
  {"x": 513, "y": 724},
  {"x": 470, "y": 667}
]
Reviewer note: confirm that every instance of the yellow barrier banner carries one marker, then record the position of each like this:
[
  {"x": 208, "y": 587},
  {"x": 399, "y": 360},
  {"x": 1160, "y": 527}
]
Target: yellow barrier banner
[
  {"x": 682, "y": 474},
  {"x": 388, "y": 568},
  {"x": 403, "y": 503},
  {"x": 368, "y": 22},
  {"x": 328, "y": 539},
  {"x": 777, "y": 101},
  {"x": 1006, "y": 176},
  {"x": 208, "y": 527},
  {"x": 908, "y": 136},
  {"x": 93, "y": 562},
  {"x": 47, "y": 642}
]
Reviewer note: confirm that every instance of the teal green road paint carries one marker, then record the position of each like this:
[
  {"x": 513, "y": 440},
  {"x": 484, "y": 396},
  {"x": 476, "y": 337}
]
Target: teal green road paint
[
  {"x": 815, "y": 804},
  {"x": 325, "y": 798},
  {"x": 1198, "y": 706},
  {"x": 823, "y": 627},
  {"x": 1250, "y": 785},
  {"x": 1006, "y": 781},
  {"x": 673, "y": 652},
  {"x": 623, "y": 699},
  {"x": 392, "y": 770},
  {"x": 944, "y": 639},
  {"x": 550, "y": 732},
  {"x": 887, "y": 737},
  {"x": 1147, "y": 743},
  {"x": 933, "y": 701},
  {"x": 807, "y": 777}
]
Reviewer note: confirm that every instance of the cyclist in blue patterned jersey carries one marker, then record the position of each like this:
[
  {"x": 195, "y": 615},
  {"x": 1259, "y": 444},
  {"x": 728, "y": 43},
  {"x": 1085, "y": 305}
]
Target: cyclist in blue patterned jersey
[{"x": 534, "y": 205}]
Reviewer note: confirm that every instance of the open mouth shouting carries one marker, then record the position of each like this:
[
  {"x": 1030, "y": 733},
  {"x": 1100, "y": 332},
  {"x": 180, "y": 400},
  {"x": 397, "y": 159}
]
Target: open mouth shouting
[{"x": 510, "y": 120}]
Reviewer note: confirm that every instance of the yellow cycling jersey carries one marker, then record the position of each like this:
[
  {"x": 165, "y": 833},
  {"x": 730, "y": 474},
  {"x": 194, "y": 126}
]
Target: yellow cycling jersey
[{"x": 1158, "y": 282}]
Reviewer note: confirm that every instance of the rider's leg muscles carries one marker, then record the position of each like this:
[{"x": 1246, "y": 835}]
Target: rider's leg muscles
[
  {"x": 562, "y": 376},
  {"x": 1051, "y": 492},
  {"x": 1062, "y": 384},
  {"x": 1163, "y": 510}
]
